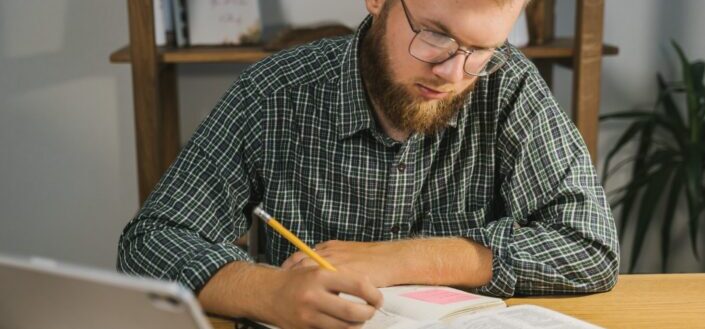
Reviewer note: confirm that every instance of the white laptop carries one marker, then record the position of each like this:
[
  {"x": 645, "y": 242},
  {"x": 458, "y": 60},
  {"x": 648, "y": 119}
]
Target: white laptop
[{"x": 40, "y": 294}]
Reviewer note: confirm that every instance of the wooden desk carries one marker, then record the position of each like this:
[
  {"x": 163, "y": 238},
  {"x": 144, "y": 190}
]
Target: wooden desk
[{"x": 638, "y": 301}]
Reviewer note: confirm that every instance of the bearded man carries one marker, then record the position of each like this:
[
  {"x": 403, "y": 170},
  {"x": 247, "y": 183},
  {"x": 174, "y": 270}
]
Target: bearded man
[{"x": 423, "y": 149}]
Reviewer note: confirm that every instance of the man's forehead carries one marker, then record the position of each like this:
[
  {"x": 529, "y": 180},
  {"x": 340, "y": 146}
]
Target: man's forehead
[{"x": 476, "y": 23}]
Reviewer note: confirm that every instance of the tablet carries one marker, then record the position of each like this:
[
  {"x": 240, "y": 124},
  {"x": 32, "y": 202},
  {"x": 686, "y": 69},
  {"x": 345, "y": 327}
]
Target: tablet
[{"x": 39, "y": 293}]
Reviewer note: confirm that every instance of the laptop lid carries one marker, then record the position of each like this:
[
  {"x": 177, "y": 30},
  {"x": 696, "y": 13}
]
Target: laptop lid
[{"x": 41, "y": 293}]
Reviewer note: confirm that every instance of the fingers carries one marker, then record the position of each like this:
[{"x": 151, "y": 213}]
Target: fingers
[
  {"x": 324, "y": 320},
  {"x": 327, "y": 244},
  {"x": 346, "y": 310},
  {"x": 320, "y": 304},
  {"x": 300, "y": 259},
  {"x": 359, "y": 286},
  {"x": 293, "y": 260},
  {"x": 306, "y": 262}
]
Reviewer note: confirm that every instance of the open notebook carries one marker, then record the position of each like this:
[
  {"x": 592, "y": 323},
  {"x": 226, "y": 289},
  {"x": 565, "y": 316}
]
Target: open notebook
[{"x": 437, "y": 307}]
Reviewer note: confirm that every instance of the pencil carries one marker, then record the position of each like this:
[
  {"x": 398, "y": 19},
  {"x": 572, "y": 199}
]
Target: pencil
[{"x": 273, "y": 223}]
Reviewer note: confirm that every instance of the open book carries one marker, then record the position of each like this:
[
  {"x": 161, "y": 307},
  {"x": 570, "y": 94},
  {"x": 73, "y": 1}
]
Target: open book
[{"x": 438, "y": 307}]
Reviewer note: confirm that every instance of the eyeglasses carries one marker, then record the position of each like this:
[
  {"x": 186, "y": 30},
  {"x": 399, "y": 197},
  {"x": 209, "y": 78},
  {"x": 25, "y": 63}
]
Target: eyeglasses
[{"x": 435, "y": 48}]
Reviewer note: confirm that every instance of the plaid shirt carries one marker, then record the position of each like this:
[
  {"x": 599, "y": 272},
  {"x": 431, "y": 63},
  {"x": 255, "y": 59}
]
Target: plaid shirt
[{"x": 295, "y": 132}]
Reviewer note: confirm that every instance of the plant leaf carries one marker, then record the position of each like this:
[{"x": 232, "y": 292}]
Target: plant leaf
[
  {"x": 669, "y": 105},
  {"x": 634, "y": 114},
  {"x": 626, "y": 137},
  {"x": 698, "y": 73},
  {"x": 690, "y": 88},
  {"x": 667, "y": 226},
  {"x": 693, "y": 177},
  {"x": 698, "y": 68},
  {"x": 649, "y": 200},
  {"x": 677, "y": 130},
  {"x": 641, "y": 178},
  {"x": 641, "y": 154}
]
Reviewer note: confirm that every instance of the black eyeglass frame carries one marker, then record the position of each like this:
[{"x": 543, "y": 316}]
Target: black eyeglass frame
[{"x": 503, "y": 49}]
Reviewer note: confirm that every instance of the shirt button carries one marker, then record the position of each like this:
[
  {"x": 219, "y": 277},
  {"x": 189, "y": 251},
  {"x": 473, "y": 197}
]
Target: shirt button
[
  {"x": 394, "y": 229},
  {"x": 401, "y": 167}
]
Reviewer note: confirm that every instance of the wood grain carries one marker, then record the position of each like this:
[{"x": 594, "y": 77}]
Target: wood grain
[
  {"x": 637, "y": 301},
  {"x": 559, "y": 48},
  {"x": 146, "y": 96},
  {"x": 587, "y": 68}
]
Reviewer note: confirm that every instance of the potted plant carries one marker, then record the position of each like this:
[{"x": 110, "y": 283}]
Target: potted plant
[{"x": 669, "y": 162}]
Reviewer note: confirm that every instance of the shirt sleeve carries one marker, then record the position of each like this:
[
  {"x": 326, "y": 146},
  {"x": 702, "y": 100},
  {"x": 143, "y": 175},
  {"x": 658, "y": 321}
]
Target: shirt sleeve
[
  {"x": 556, "y": 233},
  {"x": 186, "y": 228}
]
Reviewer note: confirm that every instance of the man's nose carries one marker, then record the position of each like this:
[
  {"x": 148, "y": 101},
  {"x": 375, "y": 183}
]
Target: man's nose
[{"x": 452, "y": 69}]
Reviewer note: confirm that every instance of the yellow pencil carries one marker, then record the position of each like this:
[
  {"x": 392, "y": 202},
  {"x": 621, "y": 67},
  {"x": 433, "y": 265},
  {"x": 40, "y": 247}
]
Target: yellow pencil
[{"x": 273, "y": 223}]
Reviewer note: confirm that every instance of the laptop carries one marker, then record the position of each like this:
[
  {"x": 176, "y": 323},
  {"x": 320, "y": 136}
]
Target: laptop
[{"x": 39, "y": 293}]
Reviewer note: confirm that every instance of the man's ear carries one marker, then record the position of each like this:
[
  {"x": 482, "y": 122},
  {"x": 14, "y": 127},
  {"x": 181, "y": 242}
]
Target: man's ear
[{"x": 374, "y": 7}]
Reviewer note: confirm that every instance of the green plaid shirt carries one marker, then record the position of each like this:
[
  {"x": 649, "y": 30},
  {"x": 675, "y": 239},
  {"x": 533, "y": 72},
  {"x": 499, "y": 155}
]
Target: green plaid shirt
[{"x": 295, "y": 132}]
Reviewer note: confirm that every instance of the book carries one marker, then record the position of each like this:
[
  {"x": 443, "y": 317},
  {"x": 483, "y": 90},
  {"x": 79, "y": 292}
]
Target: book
[
  {"x": 159, "y": 26},
  {"x": 223, "y": 22},
  {"x": 162, "y": 21},
  {"x": 438, "y": 307},
  {"x": 180, "y": 22}
]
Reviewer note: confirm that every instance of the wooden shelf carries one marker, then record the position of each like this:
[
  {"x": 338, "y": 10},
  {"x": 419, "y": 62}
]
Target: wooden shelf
[{"x": 560, "y": 48}]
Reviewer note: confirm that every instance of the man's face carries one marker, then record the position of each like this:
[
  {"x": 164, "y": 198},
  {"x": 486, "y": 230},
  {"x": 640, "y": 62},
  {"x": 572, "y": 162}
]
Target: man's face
[{"x": 419, "y": 96}]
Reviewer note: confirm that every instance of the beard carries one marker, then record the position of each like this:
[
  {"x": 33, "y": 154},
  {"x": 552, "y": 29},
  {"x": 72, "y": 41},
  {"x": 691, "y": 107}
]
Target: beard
[{"x": 404, "y": 111}]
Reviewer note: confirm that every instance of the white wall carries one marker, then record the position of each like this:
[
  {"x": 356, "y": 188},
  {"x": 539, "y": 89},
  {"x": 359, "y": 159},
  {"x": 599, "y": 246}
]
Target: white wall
[{"x": 67, "y": 153}]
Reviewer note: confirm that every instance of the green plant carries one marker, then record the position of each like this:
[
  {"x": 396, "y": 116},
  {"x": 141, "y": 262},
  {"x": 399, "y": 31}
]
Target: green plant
[{"x": 669, "y": 159}]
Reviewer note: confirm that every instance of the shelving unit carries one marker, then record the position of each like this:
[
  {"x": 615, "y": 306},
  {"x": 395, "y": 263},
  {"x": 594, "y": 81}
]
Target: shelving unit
[{"x": 154, "y": 78}]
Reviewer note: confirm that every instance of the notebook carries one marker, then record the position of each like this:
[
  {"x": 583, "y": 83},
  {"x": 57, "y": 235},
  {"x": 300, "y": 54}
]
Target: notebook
[{"x": 41, "y": 293}]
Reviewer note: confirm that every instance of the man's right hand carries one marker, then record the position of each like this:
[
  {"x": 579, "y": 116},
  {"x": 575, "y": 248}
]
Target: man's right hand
[
  {"x": 308, "y": 298},
  {"x": 298, "y": 298}
]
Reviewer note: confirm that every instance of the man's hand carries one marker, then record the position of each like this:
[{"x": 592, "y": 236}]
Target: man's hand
[
  {"x": 378, "y": 260},
  {"x": 296, "y": 298},
  {"x": 307, "y": 297}
]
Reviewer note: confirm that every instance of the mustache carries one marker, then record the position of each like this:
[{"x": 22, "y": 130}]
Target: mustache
[{"x": 436, "y": 85}]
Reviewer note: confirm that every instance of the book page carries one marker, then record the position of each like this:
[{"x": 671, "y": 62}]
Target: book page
[
  {"x": 433, "y": 303},
  {"x": 520, "y": 317},
  {"x": 393, "y": 321},
  {"x": 388, "y": 321}
]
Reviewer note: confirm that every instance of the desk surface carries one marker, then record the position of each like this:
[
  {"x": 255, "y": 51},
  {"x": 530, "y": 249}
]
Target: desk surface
[{"x": 638, "y": 301}]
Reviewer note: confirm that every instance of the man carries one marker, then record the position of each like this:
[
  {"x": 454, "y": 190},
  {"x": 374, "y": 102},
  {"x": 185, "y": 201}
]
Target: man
[{"x": 423, "y": 149}]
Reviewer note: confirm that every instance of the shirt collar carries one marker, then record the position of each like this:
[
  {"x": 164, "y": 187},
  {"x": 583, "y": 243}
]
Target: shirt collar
[{"x": 354, "y": 113}]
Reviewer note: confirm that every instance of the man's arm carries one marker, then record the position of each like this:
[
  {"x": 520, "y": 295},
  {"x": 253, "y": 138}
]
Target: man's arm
[
  {"x": 186, "y": 229},
  {"x": 433, "y": 261},
  {"x": 556, "y": 233},
  {"x": 301, "y": 298}
]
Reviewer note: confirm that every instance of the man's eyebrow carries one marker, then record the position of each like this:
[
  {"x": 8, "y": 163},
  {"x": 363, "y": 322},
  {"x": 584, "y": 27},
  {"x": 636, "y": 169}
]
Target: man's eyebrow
[{"x": 443, "y": 28}]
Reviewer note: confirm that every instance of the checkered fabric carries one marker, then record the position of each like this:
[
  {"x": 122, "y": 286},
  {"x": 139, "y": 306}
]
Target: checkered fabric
[{"x": 295, "y": 132}]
